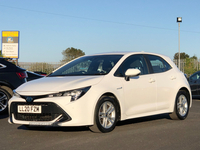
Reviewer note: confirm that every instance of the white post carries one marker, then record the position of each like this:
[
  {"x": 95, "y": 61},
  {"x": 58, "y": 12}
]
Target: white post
[{"x": 179, "y": 46}]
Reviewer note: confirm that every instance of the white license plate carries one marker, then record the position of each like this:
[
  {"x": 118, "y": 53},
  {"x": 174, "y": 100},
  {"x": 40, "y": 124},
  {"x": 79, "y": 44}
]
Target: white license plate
[{"x": 29, "y": 109}]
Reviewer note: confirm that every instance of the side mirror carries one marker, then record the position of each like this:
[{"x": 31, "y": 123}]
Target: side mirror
[{"x": 131, "y": 73}]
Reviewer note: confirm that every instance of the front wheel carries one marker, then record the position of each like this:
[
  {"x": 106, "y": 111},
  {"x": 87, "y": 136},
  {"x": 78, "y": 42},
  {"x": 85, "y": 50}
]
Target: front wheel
[
  {"x": 106, "y": 115},
  {"x": 181, "y": 107}
]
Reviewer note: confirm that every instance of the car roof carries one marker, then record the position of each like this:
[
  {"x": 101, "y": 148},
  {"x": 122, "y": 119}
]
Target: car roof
[
  {"x": 128, "y": 53},
  {"x": 195, "y": 73},
  {"x": 124, "y": 53}
]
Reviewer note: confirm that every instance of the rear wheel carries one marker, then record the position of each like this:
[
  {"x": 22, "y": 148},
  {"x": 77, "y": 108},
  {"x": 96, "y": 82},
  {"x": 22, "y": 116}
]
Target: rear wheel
[
  {"x": 181, "y": 107},
  {"x": 4, "y": 98},
  {"x": 106, "y": 115}
]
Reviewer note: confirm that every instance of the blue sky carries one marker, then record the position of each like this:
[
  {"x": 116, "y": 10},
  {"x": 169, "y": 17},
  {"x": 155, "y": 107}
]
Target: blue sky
[{"x": 47, "y": 27}]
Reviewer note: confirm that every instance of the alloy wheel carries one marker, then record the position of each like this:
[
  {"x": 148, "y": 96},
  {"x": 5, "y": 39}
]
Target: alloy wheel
[
  {"x": 3, "y": 101},
  {"x": 182, "y": 105},
  {"x": 107, "y": 115}
]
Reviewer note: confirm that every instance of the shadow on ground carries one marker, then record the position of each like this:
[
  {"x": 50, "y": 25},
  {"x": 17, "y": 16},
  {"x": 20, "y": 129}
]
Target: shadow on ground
[
  {"x": 50, "y": 128},
  {"x": 143, "y": 119},
  {"x": 84, "y": 128},
  {"x": 3, "y": 116}
]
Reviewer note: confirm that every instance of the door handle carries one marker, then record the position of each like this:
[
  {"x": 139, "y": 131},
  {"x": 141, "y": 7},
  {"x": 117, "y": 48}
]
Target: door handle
[
  {"x": 151, "y": 80},
  {"x": 173, "y": 78}
]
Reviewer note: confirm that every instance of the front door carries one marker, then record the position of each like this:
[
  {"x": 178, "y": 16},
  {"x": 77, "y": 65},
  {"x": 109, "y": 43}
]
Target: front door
[
  {"x": 140, "y": 95},
  {"x": 139, "y": 91}
]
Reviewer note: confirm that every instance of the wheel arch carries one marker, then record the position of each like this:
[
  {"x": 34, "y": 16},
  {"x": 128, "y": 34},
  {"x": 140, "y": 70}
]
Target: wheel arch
[
  {"x": 3, "y": 83},
  {"x": 111, "y": 95},
  {"x": 7, "y": 87},
  {"x": 96, "y": 126},
  {"x": 176, "y": 114},
  {"x": 189, "y": 96}
]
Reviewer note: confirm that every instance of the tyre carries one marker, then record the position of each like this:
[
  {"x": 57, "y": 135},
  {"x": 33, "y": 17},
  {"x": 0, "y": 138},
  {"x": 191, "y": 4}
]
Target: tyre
[
  {"x": 106, "y": 115},
  {"x": 4, "y": 98},
  {"x": 181, "y": 107}
]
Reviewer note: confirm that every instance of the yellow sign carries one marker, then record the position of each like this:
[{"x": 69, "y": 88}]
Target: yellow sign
[
  {"x": 10, "y": 33},
  {"x": 10, "y": 44}
]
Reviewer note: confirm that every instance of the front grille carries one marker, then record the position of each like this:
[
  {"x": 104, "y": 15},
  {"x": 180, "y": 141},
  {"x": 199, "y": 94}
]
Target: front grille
[
  {"x": 50, "y": 111},
  {"x": 35, "y": 117}
]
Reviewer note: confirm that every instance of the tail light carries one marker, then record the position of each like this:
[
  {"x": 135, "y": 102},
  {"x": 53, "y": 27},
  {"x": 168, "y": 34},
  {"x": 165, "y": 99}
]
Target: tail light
[{"x": 22, "y": 75}]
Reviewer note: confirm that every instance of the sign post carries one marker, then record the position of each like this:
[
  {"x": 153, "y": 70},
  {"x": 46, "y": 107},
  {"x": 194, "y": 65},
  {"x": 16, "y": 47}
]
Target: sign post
[
  {"x": 10, "y": 44},
  {"x": 179, "y": 20}
]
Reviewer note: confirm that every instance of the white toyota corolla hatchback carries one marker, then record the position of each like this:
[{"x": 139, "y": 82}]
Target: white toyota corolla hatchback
[{"x": 99, "y": 90}]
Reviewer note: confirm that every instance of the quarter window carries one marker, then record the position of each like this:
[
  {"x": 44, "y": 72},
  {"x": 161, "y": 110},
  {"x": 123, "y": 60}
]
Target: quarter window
[
  {"x": 158, "y": 64},
  {"x": 2, "y": 66}
]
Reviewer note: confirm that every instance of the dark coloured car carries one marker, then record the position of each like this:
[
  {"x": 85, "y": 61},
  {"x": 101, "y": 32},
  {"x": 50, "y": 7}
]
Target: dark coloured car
[
  {"x": 41, "y": 73},
  {"x": 194, "y": 81},
  {"x": 33, "y": 76},
  {"x": 11, "y": 77}
]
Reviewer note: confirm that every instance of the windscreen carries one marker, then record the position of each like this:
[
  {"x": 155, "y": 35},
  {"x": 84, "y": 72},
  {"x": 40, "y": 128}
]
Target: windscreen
[{"x": 88, "y": 65}]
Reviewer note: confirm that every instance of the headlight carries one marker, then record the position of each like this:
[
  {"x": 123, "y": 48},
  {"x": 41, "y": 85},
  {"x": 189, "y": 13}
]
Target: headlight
[
  {"x": 16, "y": 94},
  {"x": 75, "y": 94}
]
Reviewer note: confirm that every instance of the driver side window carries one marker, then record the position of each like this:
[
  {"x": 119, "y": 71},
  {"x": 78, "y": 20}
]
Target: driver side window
[{"x": 133, "y": 62}]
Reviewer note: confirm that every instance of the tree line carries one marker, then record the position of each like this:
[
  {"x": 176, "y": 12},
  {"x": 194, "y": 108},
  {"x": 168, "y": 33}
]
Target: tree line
[
  {"x": 71, "y": 53},
  {"x": 191, "y": 63}
]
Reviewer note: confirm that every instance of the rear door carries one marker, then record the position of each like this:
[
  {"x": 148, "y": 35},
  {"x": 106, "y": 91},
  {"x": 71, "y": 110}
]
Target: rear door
[{"x": 165, "y": 78}]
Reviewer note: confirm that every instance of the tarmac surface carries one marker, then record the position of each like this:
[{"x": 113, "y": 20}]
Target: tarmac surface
[{"x": 148, "y": 133}]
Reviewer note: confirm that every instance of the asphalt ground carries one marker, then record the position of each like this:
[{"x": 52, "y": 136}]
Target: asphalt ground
[{"x": 148, "y": 133}]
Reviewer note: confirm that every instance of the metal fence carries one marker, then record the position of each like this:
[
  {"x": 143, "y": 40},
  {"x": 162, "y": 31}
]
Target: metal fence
[
  {"x": 40, "y": 66},
  {"x": 195, "y": 64},
  {"x": 182, "y": 63}
]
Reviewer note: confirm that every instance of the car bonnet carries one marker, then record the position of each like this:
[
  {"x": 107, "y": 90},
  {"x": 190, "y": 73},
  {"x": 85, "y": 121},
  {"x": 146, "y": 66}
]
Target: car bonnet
[{"x": 49, "y": 85}]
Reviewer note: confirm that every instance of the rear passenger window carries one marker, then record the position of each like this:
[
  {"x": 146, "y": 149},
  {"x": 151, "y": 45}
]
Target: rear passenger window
[{"x": 158, "y": 64}]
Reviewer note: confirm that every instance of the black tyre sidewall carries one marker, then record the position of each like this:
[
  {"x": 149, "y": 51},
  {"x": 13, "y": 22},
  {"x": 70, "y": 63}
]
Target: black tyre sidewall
[
  {"x": 101, "y": 101},
  {"x": 177, "y": 113},
  {"x": 8, "y": 96}
]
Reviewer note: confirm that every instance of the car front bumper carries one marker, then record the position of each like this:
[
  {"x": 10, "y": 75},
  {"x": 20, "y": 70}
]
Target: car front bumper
[{"x": 56, "y": 111}]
